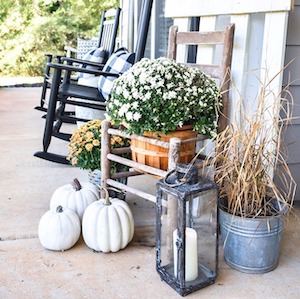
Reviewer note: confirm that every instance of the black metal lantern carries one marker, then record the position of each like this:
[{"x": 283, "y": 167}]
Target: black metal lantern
[{"x": 186, "y": 230}]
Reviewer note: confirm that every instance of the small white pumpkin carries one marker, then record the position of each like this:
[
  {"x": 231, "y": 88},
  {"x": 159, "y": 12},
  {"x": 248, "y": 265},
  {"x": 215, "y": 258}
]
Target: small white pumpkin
[
  {"x": 59, "y": 230},
  {"x": 75, "y": 196},
  {"x": 107, "y": 224}
]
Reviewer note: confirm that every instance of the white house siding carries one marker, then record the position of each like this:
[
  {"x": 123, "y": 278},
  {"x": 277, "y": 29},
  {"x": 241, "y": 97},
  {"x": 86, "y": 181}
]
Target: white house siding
[
  {"x": 259, "y": 42},
  {"x": 259, "y": 50},
  {"x": 261, "y": 32},
  {"x": 291, "y": 79}
]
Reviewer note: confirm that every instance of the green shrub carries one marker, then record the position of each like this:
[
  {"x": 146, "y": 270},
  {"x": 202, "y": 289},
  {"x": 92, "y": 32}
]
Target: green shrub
[{"x": 29, "y": 29}]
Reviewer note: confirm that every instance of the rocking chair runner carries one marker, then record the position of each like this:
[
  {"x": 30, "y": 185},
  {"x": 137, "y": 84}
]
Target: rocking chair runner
[
  {"x": 107, "y": 39},
  {"x": 68, "y": 92},
  {"x": 220, "y": 72}
]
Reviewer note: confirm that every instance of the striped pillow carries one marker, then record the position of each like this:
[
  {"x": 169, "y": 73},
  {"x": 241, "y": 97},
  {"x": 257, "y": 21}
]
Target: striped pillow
[
  {"x": 118, "y": 63},
  {"x": 98, "y": 55}
]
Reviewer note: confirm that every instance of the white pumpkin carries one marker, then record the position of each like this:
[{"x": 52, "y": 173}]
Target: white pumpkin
[
  {"x": 75, "y": 196},
  {"x": 59, "y": 230},
  {"x": 107, "y": 225}
]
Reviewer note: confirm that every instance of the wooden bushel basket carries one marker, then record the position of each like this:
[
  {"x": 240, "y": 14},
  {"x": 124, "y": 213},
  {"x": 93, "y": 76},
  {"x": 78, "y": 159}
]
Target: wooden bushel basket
[{"x": 156, "y": 156}]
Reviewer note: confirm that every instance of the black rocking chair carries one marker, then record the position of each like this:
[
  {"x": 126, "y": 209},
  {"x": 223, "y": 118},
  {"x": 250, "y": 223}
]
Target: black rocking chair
[
  {"x": 68, "y": 92},
  {"x": 109, "y": 24}
]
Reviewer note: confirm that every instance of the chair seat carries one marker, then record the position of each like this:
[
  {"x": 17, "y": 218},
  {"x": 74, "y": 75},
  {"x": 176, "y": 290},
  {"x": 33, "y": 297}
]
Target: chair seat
[{"x": 81, "y": 91}]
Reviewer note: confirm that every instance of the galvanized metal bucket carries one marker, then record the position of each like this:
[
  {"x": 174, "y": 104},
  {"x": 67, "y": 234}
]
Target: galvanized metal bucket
[{"x": 251, "y": 245}]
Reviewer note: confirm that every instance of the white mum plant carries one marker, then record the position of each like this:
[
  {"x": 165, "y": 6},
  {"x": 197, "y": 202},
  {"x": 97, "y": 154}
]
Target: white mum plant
[{"x": 162, "y": 95}]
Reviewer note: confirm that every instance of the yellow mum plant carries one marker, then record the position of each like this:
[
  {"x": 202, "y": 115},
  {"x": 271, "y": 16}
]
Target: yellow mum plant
[{"x": 85, "y": 146}]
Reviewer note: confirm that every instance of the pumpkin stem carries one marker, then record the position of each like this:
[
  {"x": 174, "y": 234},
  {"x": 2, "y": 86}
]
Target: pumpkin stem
[
  {"x": 106, "y": 199},
  {"x": 76, "y": 185},
  {"x": 59, "y": 209}
]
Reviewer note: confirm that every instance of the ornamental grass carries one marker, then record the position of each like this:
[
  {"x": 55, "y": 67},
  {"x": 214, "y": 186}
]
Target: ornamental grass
[{"x": 250, "y": 162}]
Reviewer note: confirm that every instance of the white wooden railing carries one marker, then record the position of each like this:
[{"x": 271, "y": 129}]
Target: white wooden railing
[{"x": 259, "y": 43}]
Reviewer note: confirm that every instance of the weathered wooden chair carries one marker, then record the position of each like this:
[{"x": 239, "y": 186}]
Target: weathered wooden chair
[
  {"x": 108, "y": 30},
  {"x": 68, "y": 92},
  {"x": 220, "y": 72}
]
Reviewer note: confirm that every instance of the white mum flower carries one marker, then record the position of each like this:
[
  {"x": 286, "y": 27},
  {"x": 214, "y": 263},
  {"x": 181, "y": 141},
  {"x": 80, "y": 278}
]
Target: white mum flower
[
  {"x": 172, "y": 94},
  {"x": 129, "y": 115},
  {"x": 170, "y": 86},
  {"x": 153, "y": 82},
  {"x": 143, "y": 78},
  {"x": 136, "y": 116},
  {"x": 135, "y": 94},
  {"x": 136, "y": 72},
  {"x": 126, "y": 94},
  {"x": 118, "y": 89},
  {"x": 135, "y": 105},
  {"x": 123, "y": 110},
  {"x": 148, "y": 96},
  {"x": 168, "y": 76},
  {"x": 130, "y": 77}
]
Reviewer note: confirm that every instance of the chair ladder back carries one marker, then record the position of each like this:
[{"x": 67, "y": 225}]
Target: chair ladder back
[
  {"x": 101, "y": 28},
  {"x": 226, "y": 75},
  {"x": 221, "y": 71},
  {"x": 109, "y": 29}
]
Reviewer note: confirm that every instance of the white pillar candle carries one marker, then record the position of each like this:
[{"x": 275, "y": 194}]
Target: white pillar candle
[{"x": 191, "y": 254}]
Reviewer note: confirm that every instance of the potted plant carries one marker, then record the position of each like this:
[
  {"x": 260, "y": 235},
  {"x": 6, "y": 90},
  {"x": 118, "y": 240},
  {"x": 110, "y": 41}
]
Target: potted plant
[
  {"x": 256, "y": 186},
  {"x": 162, "y": 96},
  {"x": 85, "y": 150}
]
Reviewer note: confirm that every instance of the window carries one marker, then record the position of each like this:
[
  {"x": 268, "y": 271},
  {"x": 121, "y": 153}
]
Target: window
[{"x": 157, "y": 40}]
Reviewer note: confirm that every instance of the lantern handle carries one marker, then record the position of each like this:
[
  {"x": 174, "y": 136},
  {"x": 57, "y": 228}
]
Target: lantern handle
[{"x": 172, "y": 178}]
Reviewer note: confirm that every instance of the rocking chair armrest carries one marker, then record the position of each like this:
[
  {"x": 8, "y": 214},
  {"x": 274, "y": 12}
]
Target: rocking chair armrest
[
  {"x": 71, "y": 68},
  {"x": 81, "y": 61},
  {"x": 53, "y": 55},
  {"x": 70, "y": 51},
  {"x": 69, "y": 48},
  {"x": 48, "y": 55}
]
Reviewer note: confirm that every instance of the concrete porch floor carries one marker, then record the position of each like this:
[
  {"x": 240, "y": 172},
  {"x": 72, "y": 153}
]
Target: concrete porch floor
[{"x": 30, "y": 271}]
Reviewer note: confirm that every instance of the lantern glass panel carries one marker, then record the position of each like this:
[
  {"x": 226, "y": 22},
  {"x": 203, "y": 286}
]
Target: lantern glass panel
[
  {"x": 168, "y": 226},
  {"x": 198, "y": 216},
  {"x": 201, "y": 210}
]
